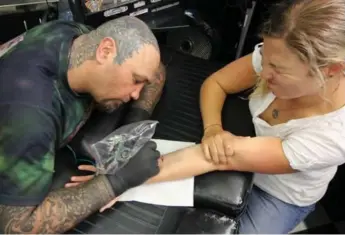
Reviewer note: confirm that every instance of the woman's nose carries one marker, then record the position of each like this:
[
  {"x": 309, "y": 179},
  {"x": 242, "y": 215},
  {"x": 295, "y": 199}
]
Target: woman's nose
[{"x": 266, "y": 74}]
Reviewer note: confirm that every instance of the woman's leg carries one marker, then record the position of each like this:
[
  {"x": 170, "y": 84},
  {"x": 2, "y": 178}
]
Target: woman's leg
[{"x": 267, "y": 214}]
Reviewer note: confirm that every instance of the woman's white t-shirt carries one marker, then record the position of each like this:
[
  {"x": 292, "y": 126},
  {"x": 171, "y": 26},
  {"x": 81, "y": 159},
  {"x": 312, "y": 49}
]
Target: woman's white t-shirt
[{"x": 314, "y": 146}]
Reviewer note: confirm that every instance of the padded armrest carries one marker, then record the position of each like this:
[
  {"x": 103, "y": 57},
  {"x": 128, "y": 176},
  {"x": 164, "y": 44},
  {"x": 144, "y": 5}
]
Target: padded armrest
[
  {"x": 197, "y": 221},
  {"x": 225, "y": 192}
]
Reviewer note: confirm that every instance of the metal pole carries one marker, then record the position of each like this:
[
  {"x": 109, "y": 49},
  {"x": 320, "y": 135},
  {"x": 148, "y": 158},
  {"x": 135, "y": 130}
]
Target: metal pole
[{"x": 247, "y": 20}]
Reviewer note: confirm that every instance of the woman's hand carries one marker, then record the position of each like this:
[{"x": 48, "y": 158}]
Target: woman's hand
[
  {"x": 76, "y": 180},
  {"x": 217, "y": 144}
]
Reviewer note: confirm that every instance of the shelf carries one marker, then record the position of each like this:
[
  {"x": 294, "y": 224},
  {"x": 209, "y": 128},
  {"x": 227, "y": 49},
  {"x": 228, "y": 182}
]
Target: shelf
[{"x": 15, "y": 3}]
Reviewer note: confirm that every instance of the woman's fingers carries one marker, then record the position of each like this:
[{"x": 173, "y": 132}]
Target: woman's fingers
[
  {"x": 110, "y": 204},
  {"x": 206, "y": 149},
  {"x": 228, "y": 150},
  {"x": 70, "y": 185},
  {"x": 83, "y": 178},
  {"x": 220, "y": 149},
  {"x": 87, "y": 168},
  {"x": 214, "y": 151}
]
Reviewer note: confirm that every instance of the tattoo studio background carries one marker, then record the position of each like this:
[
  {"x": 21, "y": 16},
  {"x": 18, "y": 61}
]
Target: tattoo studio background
[{"x": 98, "y": 11}]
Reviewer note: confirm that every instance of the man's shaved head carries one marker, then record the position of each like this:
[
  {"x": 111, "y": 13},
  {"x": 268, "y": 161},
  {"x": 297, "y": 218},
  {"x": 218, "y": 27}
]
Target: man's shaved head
[{"x": 129, "y": 33}]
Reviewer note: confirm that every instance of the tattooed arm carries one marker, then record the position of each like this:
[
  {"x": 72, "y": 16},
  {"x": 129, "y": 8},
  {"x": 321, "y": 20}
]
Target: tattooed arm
[
  {"x": 60, "y": 211},
  {"x": 63, "y": 209},
  {"x": 142, "y": 108},
  {"x": 151, "y": 93},
  {"x": 27, "y": 154}
]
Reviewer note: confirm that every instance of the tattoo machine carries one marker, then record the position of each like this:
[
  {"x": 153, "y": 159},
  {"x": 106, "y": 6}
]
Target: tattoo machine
[{"x": 115, "y": 150}]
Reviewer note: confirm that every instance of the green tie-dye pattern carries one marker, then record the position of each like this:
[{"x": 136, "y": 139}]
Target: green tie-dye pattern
[
  {"x": 29, "y": 174},
  {"x": 75, "y": 110},
  {"x": 32, "y": 176},
  {"x": 3, "y": 163}
]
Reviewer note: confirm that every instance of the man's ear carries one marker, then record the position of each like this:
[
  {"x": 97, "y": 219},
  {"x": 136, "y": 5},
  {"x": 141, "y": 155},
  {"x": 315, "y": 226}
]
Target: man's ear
[{"x": 106, "y": 50}]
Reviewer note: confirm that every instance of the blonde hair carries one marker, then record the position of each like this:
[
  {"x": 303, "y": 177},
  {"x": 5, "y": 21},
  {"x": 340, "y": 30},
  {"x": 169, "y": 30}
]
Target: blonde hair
[{"x": 313, "y": 29}]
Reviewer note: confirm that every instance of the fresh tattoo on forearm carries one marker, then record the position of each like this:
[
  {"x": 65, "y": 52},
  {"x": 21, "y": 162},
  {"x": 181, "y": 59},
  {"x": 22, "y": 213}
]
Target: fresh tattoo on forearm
[
  {"x": 151, "y": 93},
  {"x": 60, "y": 211}
]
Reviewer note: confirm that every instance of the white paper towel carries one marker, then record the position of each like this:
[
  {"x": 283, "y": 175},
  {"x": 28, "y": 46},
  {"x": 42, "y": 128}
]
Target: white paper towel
[{"x": 173, "y": 193}]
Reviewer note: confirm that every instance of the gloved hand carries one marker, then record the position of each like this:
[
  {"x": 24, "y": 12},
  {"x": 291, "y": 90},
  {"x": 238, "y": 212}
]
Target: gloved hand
[{"x": 139, "y": 169}]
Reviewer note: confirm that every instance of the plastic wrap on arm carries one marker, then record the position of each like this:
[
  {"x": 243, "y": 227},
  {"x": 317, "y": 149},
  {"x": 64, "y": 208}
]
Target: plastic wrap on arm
[{"x": 116, "y": 149}]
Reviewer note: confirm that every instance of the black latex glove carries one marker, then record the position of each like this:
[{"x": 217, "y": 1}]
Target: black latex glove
[
  {"x": 139, "y": 169},
  {"x": 136, "y": 115}
]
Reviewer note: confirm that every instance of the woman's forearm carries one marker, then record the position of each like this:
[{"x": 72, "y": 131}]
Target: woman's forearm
[
  {"x": 258, "y": 154},
  {"x": 235, "y": 77},
  {"x": 183, "y": 164},
  {"x": 212, "y": 98}
]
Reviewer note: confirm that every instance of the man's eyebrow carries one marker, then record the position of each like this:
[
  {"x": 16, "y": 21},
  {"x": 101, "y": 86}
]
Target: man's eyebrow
[{"x": 142, "y": 78}]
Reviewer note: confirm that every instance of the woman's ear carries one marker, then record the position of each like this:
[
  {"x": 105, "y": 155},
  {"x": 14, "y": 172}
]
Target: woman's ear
[
  {"x": 335, "y": 69},
  {"x": 106, "y": 50}
]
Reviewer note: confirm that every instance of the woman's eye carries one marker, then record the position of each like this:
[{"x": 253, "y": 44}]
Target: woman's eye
[{"x": 135, "y": 81}]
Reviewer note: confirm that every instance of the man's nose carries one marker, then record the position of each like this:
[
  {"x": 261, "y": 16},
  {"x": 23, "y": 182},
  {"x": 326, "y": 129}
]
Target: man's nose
[{"x": 136, "y": 93}]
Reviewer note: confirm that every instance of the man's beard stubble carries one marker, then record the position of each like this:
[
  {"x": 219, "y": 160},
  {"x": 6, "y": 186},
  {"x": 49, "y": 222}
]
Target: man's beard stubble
[{"x": 109, "y": 106}]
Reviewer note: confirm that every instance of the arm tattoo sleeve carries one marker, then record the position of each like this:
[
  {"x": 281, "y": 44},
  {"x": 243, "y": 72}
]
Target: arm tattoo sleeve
[
  {"x": 151, "y": 93},
  {"x": 60, "y": 211}
]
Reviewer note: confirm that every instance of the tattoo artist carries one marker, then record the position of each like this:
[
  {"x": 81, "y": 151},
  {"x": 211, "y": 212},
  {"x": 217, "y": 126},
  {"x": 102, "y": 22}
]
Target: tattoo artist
[{"x": 52, "y": 80}]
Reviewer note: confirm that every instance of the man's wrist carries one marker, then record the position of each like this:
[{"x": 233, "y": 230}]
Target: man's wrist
[
  {"x": 108, "y": 185},
  {"x": 116, "y": 184}
]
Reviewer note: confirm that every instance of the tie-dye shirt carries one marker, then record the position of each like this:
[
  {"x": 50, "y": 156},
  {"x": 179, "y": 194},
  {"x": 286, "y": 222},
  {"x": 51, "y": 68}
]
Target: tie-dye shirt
[{"x": 39, "y": 113}]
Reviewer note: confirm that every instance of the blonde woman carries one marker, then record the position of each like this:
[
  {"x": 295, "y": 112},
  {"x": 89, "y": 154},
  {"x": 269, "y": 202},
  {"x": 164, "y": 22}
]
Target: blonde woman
[{"x": 298, "y": 113}]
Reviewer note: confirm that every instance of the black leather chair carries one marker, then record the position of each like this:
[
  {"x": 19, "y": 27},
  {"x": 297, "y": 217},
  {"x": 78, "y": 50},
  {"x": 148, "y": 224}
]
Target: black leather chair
[{"x": 220, "y": 197}]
